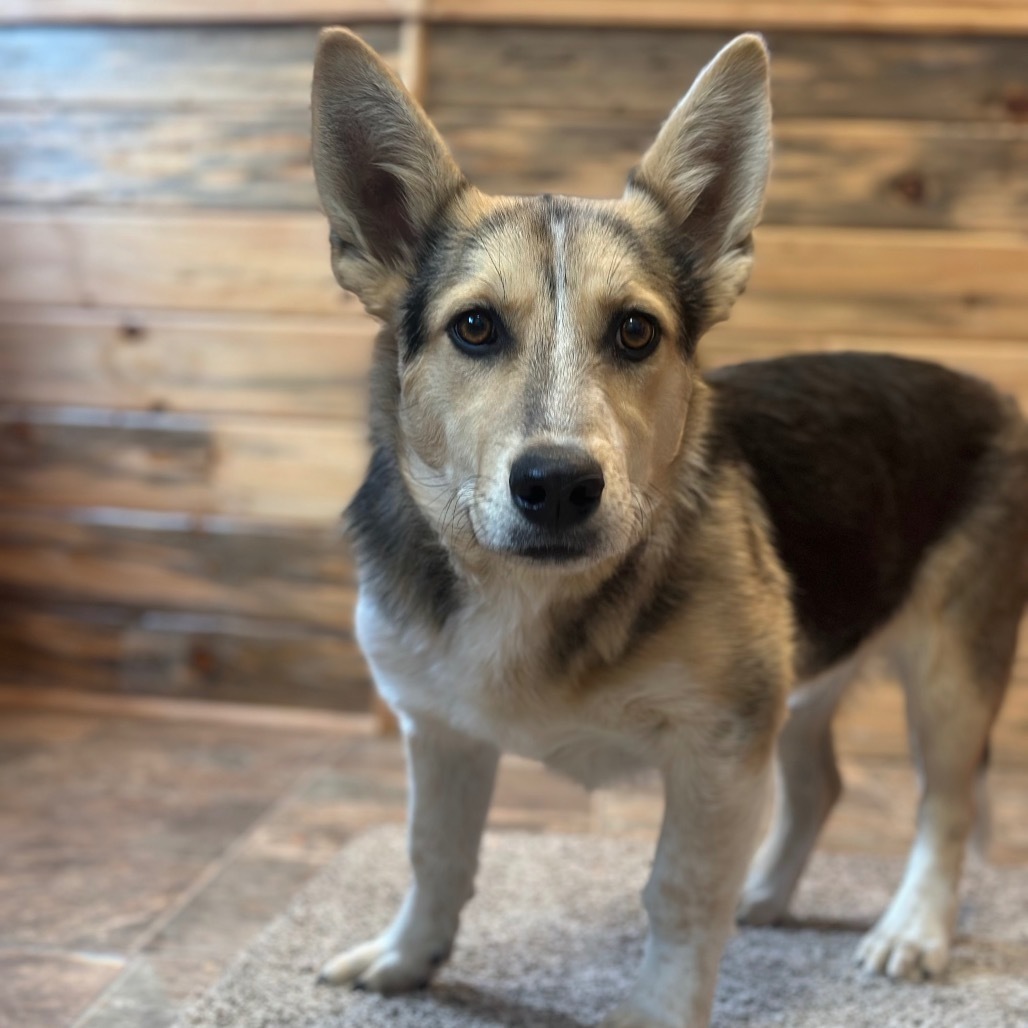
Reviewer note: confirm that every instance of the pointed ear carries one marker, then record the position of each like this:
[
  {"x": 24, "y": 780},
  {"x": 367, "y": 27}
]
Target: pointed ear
[
  {"x": 709, "y": 165},
  {"x": 382, "y": 170}
]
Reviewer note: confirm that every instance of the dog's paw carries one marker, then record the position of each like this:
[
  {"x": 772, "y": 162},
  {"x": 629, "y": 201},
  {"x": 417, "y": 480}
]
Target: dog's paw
[
  {"x": 379, "y": 966},
  {"x": 628, "y": 1016},
  {"x": 760, "y": 905},
  {"x": 914, "y": 947}
]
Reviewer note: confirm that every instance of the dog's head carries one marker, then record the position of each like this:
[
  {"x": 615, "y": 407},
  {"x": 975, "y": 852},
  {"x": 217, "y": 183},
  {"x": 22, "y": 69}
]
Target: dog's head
[{"x": 544, "y": 347}]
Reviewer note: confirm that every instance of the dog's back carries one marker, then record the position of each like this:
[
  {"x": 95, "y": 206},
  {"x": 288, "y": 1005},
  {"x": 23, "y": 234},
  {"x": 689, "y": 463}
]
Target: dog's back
[{"x": 864, "y": 462}]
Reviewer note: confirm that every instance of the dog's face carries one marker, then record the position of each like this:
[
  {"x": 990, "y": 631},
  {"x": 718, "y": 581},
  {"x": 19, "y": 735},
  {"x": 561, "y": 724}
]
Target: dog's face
[{"x": 545, "y": 346}]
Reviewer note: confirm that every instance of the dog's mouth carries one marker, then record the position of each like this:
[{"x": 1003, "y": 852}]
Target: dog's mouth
[{"x": 552, "y": 553}]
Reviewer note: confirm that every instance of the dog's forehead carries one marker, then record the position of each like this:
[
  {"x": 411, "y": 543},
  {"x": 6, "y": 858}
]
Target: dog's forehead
[{"x": 553, "y": 243}]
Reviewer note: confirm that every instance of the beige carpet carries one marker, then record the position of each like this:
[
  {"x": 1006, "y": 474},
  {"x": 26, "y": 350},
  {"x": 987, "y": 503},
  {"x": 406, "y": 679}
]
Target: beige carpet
[{"x": 555, "y": 931}]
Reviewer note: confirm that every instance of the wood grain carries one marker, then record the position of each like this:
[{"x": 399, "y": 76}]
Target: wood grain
[
  {"x": 180, "y": 655},
  {"x": 182, "y": 259},
  {"x": 618, "y": 70},
  {"x": 632, "y": 70},
  {"x": 160, "y": 11},
  {"x": 835, "y": 173},
  {"x": 185, "y": 563},
  {"x": 315, "y": 366},
  {"x": 289, "y": 470},
  {"x": 927, "y": 16},
  {"x": 168, "y": 67},
  {"x": 163, "y": 361},
  {"x": 947, "y": 284}
]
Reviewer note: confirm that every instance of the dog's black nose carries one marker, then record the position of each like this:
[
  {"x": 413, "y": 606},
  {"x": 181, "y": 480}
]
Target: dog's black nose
[{"x": 556, "y": 486}]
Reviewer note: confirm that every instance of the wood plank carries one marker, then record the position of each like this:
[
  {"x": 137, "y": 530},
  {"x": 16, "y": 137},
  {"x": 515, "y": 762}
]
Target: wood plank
[
  {"x": 239, "y": 262},
  {"x": 135, "y": 11},
  {"x": 317, "y": 366},
  {"x": 297, "y": 471},
  {"x": 876, "y": 15},
  {"x": 183, "y": 563},
  {"x": 839, "y": 173},
  {"x": 181, "y": 655},
  {"x": 889, "y": 283},
  {"x": 928, "y": 16},
  {"x": 618, "y": 70},
  {"x": 167, "y": 66},
  {"x": 633, "y": 70},
  {"x": 237, "y": 159},
  {"x": 948, "y": 284},
  {"x": 206, "y": 363}
]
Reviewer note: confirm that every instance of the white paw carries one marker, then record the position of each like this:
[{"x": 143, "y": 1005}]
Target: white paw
[
  {"x": 380, "y": 966},
  {"x": 627, "y": 1016},
  {"x": 914, "y": 947},
  {"x": 761, "y": 905}
]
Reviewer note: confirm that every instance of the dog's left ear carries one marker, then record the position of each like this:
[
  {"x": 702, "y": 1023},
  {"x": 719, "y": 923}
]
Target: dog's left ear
[
  {"x": 709, "y": 167},
  {"x": 382, "y": 170}
]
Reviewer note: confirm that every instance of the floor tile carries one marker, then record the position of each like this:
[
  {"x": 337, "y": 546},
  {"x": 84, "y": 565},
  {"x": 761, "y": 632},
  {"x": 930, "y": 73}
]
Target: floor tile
[
  {"x": 151, "y": 991},
  {"x": 47, "y": 990},
  {"x": 229, "y": 910}
]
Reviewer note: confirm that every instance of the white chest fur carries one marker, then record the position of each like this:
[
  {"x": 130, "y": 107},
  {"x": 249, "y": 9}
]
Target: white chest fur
[{"x": 485, "y": 674}]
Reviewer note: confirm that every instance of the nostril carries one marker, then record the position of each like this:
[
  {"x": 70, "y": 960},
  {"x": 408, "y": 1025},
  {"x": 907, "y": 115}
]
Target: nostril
[
  {"x": 586, "y": 492},
  {"x": 531, "y": 494}
]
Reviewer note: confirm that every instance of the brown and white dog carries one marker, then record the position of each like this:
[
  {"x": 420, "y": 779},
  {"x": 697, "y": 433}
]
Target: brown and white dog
[{"x": 575, "y": 547}]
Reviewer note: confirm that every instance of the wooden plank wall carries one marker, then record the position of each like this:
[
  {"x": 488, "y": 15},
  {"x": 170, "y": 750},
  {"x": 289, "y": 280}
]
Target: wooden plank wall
[{"x": 181, "y": 384}]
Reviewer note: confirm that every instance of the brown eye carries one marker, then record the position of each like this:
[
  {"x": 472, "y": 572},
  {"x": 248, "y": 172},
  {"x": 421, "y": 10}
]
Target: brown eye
[
  {"x": 474, "y": 328},
  {"x": 638, "y": 335}
]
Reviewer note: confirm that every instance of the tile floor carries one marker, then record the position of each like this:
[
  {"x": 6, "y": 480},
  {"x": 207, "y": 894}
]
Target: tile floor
[{"x": 142, "y": 845}]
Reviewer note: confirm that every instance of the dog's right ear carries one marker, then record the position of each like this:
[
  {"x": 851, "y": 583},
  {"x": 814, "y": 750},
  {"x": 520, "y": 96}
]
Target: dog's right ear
[
  {"x": 709, "y": 167},
  {"x": 382, "y": 170}
]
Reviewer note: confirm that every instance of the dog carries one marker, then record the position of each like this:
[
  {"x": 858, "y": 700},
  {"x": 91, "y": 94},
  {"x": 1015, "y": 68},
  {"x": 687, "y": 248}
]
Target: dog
[{"x": 574, "y": 546}]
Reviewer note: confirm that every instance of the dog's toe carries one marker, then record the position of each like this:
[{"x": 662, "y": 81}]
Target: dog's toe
[
  {"x": 760, "y": 906},
  {"x": 913, "y": 951},
  {"x": 378, "y": 967}
]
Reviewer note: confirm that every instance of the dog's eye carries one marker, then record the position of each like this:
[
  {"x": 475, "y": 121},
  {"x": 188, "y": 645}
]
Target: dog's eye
[
  {"x": 473, "y": 329},
  {"x": 638, "y": 335}
]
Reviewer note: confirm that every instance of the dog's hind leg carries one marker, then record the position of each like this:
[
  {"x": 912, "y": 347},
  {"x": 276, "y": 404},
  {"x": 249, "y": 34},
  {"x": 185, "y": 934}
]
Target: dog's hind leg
[
  {"x": 953, "y": 696},
  {"x": 808, "y": 785}
]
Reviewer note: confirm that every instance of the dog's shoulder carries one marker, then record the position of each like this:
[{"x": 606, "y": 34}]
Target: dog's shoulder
[{"x": 862, "y": 461}]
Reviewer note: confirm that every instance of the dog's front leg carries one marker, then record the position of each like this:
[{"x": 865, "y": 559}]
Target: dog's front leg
[
  {"x": 451, "y": 781},
  {"x": 711, "y": 824}
]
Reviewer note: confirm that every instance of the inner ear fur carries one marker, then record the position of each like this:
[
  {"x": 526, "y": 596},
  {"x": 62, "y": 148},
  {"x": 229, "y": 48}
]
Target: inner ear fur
[
  {"x": 382, "y": 170},
  {"x": 709, "y": 165}
]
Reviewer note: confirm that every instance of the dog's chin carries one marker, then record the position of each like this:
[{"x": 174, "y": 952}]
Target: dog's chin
[{"x": 553, "y": 553}]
